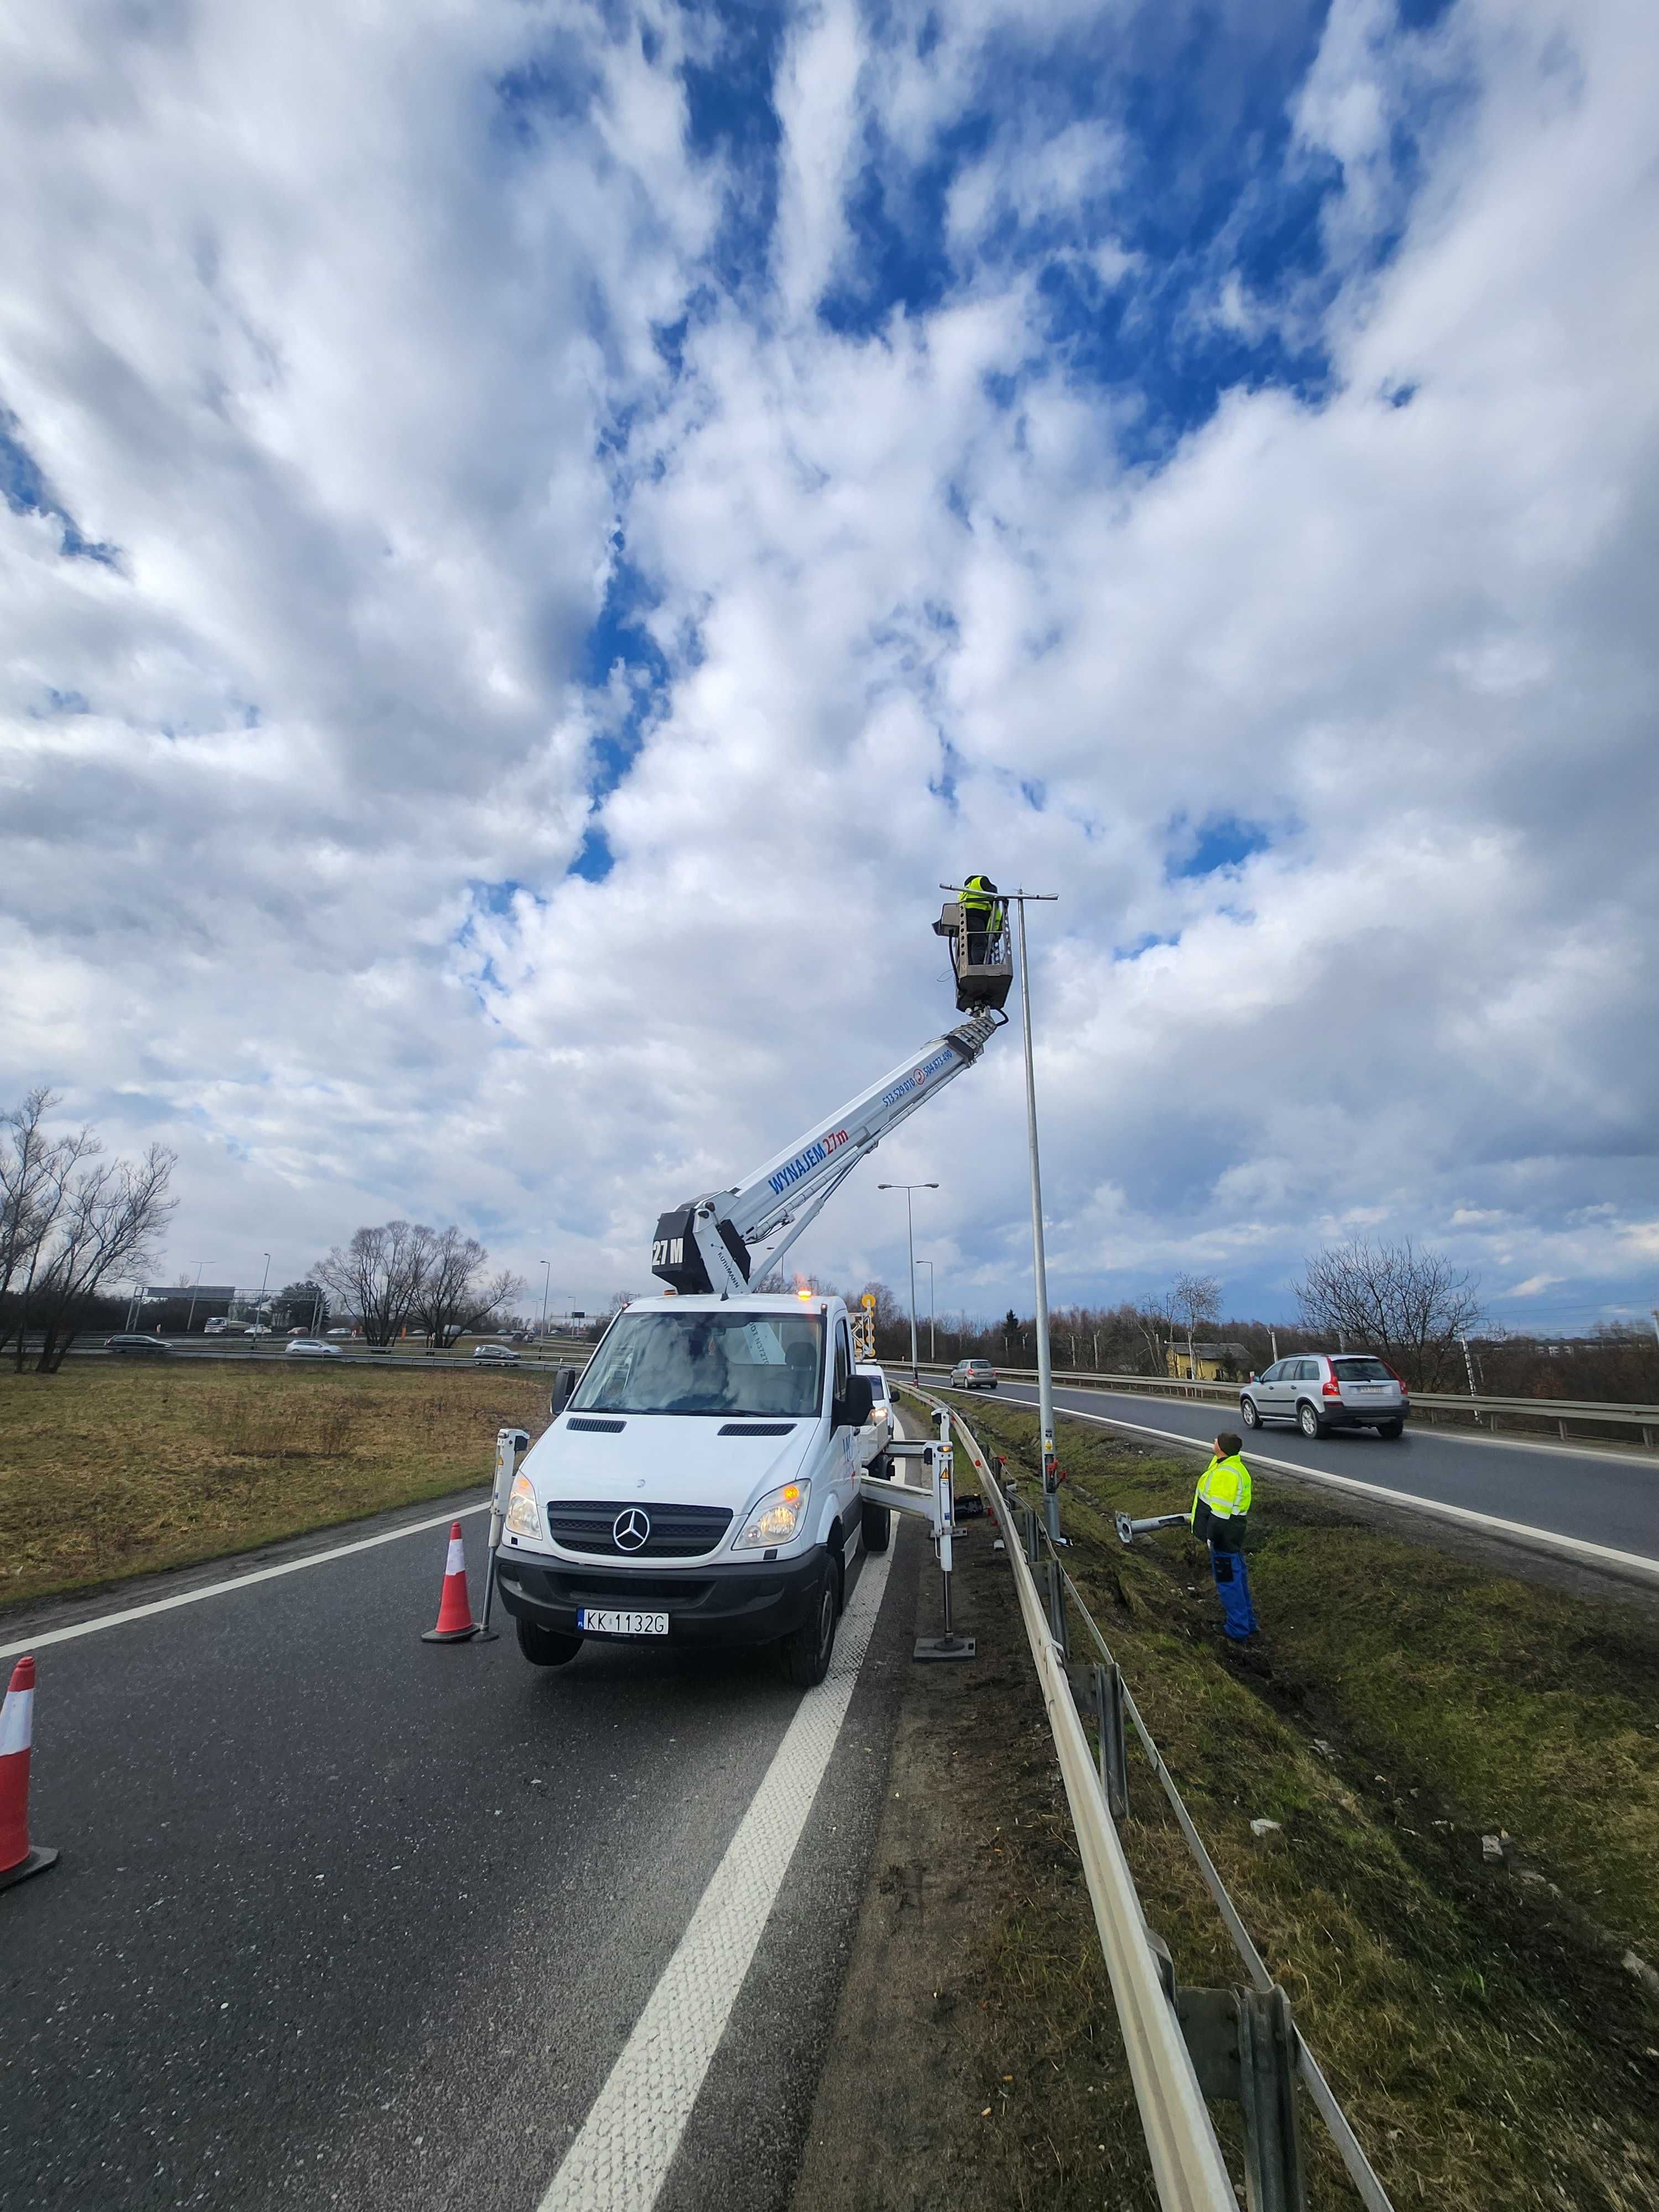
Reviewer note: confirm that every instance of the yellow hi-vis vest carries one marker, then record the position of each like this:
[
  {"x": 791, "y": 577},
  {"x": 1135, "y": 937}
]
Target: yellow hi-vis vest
[
  {"x": 1224, "y": 1487},
  {"x": 980, "y": 910}
]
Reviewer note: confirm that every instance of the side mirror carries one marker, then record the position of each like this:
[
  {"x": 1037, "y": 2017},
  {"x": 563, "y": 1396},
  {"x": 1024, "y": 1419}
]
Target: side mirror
[
  {"x": 856, "y": 1407},
  {"x": 565, "y": 1385}
]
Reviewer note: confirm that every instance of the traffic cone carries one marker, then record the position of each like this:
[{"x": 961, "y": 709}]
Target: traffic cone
[
  {"x": 17, "y": 1861},
  {"x": 455, "y": 1621}
]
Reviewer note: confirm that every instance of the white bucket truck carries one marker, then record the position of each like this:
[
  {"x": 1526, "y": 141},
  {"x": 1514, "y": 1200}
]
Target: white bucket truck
[{"x": 701, "y": 1486}]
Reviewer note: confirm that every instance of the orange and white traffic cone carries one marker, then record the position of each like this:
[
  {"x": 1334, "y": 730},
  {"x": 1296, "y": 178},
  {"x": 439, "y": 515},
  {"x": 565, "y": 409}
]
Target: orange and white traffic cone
[
  {"x": 17, "y": 1861},
  {"x": 455, "y": 1621}
]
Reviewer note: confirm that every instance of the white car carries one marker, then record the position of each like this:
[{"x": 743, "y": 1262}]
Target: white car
[
  {"x": 312, "y": 1348},
  {"x": 882, "y": 1426},
  {"x": 496, "y": 1355}
]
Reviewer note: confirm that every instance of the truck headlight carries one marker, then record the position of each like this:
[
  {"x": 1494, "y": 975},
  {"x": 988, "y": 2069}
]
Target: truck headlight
[
  {"x": 522, "y": 1518},
  {"x": 778, "y": 1518}
]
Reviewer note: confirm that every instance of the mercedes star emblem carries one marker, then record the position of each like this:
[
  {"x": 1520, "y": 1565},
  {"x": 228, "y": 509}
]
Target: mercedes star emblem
[{"x": 631, "y": 1531}]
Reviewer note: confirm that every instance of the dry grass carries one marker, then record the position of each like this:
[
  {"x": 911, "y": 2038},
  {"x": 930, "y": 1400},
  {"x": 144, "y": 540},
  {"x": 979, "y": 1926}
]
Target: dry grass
[
  {"x": 1481, "y": 2030},
  {"x": 107, "y": 1471}
]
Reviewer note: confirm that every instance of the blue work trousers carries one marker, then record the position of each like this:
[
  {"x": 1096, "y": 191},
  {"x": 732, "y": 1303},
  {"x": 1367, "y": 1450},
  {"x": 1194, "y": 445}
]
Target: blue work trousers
[{"x": 1232, "y": 1583}]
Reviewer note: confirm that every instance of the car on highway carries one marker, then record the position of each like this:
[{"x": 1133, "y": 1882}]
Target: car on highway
[
  {"x": 135, "y": 1344},
  {"x": 339, "y": 1332},
  {"x": 973, "y": 1374},
  {"x": 495, "y": 1355},
  {"x": 312, "y": 1348},
  {"x": 1318, "y": 1391},
  {"x": 880, "y": 1425}
]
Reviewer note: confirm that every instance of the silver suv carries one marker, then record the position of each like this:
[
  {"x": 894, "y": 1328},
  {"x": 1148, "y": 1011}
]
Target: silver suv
[
  {"x": 1324, "y": 1390},
  {"x": 973, "y": 1374}
]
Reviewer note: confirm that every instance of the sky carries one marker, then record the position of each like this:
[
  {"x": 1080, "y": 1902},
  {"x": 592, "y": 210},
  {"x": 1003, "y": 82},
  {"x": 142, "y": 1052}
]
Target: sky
[{"x": 535, "y": 537}]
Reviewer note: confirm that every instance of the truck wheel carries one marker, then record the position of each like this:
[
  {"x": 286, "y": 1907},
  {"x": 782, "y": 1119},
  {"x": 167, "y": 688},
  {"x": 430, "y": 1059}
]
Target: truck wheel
[
  {"x": 877, "y": 1527},
  {"x": 546, "y": 1647},
  {"x": 806, "y": 1651}
]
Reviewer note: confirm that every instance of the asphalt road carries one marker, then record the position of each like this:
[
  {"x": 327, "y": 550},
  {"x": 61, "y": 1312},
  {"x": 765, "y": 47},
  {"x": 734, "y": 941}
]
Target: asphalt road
[
  {"x": 1595, "y": 1497},
  {"x": 342, "y": 1918}
]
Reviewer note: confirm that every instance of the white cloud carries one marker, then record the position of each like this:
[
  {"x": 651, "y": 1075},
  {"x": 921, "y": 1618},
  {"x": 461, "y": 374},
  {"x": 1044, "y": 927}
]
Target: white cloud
[{"x": 365, "y": 378}]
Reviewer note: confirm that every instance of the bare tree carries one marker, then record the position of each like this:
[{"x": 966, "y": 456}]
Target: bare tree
[
  {"x": 1195, "y": 1301},
  {"x": 1410, "y": 1307},
  {"x": 32, "y": 1181},
  {"x": 454, "y": 1294},
  {"x": 105, "y": 1226},
  {"x": 378, "y": 1276}
]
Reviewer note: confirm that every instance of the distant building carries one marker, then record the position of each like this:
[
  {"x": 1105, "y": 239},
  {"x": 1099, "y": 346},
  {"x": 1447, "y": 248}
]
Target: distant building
[{"x": 1210, "y": 1363}]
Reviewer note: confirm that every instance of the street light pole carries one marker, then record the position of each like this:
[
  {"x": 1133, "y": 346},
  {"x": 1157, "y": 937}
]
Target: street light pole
[
  {"x": 1039, "y": 1263},
  {"x": 547, "y": 1278},
  {"x": 932, "y": 1334},
  {"x": 190, "y": 1316},
  {"x": 911, "y": 1234}
]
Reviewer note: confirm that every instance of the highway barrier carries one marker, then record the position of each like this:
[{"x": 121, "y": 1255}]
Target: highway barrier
[{"x": 1183, "y": 2046}]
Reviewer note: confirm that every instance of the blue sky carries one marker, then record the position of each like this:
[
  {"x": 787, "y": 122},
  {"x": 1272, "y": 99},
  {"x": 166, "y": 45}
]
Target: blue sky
[{"x": 540, "y": 539}]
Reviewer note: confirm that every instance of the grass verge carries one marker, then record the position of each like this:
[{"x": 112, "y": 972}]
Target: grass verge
[
  {"x": 1476, "y": 2019},
  {"x": 109, "y": 1471}
]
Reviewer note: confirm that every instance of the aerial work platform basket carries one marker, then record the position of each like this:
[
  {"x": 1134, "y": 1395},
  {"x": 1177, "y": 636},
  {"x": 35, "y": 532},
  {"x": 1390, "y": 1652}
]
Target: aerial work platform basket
[{"x": 983, "y": 957}]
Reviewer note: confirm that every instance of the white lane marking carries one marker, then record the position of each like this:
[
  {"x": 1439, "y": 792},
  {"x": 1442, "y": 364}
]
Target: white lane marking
[
  {"x": 618, "y": 2161},
  {"x": 234, "y": 1582},
  {"x": 1546, "y": 1539}
]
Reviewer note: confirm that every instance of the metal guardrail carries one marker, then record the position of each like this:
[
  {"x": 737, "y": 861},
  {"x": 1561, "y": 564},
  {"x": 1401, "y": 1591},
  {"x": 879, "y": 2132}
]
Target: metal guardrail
[
  {"x": 1181, "y": 2043},
  {"x": 1623, "y": 1414}
]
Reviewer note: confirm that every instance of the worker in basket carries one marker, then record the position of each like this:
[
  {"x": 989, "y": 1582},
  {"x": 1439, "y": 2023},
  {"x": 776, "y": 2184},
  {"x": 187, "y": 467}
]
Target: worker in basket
[
  {"x": 1220, "y": 1505},
  {"x": 982, "y": 911}
]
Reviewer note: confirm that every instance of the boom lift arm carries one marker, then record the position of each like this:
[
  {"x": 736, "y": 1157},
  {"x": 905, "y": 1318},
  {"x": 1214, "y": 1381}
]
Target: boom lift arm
[{"x": 711, "y": 1243}]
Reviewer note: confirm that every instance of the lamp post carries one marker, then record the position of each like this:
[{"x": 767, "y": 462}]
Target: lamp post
[
  {"x": 910, "y": 1233},
  {"x": 1039, "y": 1263},
  {"x": 547, "y": 1278},
  {"x": 932, "y": 1334},
  {"x": 190, "y": 1316}
]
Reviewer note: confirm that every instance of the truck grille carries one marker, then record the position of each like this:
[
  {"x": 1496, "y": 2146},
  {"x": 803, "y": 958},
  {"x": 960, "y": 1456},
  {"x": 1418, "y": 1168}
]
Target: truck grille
[{"x": 677, "y": 1531}]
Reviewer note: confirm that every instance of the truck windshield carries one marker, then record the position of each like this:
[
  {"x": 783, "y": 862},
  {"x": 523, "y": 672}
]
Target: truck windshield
[{"x": 707, "y": 1363}]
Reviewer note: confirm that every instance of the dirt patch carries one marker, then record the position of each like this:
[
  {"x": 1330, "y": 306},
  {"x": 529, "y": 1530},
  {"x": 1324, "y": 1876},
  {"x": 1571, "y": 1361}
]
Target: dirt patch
[{"x": 975, "y": 2060}]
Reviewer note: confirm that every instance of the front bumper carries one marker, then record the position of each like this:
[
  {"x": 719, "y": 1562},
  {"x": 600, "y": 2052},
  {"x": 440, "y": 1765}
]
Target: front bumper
[{"x": 721, "y": 1606}]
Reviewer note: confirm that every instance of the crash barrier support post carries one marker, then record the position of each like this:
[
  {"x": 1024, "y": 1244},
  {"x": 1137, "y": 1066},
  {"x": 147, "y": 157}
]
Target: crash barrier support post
[
  {"x": 1269, "y": 2048},
  {"x": 1032, "y": 1529},
  {"x": 1243, "y": 2050},
  {"x": 1057, "y": 1610},
  {"x": 511, "y": 1445},
  {"x": 1113, "y": 1758}
]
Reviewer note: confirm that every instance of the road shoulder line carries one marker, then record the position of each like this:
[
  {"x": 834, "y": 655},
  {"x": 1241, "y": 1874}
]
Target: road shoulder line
[
  {"x": 621, "y": 2156},
  {"x": 99, "y": 1621}
]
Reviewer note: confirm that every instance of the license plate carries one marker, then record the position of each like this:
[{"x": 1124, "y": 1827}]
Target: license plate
[{"x": 595, "y": 1621}]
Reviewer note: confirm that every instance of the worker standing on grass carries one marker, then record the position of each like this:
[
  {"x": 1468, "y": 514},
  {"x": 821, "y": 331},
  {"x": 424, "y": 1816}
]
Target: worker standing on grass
[{"x": 1220, "y": 1504}]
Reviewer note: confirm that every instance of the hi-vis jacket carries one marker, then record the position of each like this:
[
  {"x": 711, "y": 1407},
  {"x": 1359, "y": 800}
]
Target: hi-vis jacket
[{"x": 1222, "y": 1492}]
